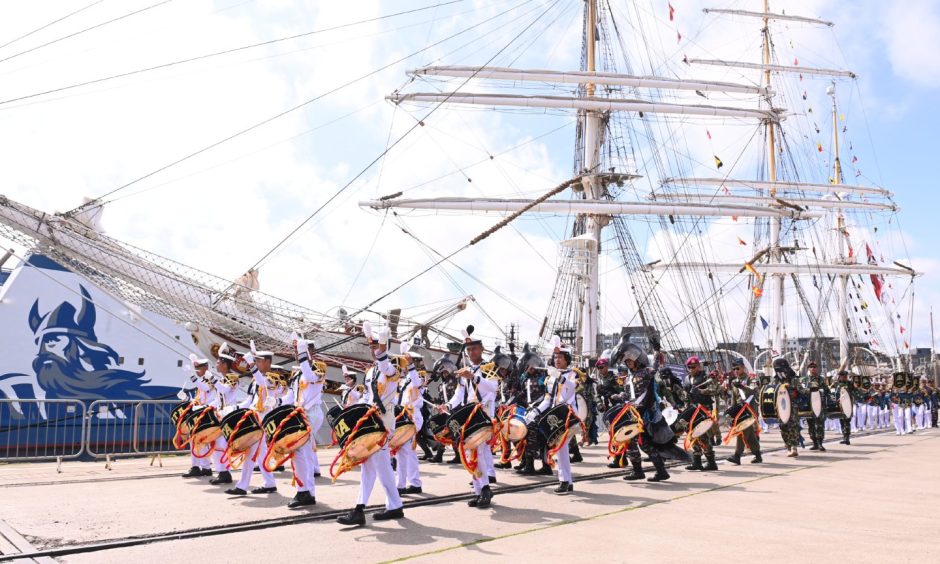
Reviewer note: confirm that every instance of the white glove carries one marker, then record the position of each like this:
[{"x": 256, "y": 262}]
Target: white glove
[
  {"x": 405, "y": 347},
  {"x": 251, "y": 343},
  {"x": 193, "y": 358},
  {"x": 367, "y": 330},
  {"x": 181, "y": 395},
  {"x": 301, "y": 345},
  {"x": 223, "y": 348},
  {"x": 269, "y": 402},
  {"x": 531, "y": 415},
  {"x": 384, "y": 332},
  {"x": 249, "y": 358},
  {"x": 556, "y": 342}
]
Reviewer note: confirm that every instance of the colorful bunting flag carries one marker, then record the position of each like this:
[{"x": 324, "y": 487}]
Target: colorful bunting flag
[
  {"x": 763, "y": 322},
  {"x": 672, "y": 12},
  {"x": 718, "y": 162}
]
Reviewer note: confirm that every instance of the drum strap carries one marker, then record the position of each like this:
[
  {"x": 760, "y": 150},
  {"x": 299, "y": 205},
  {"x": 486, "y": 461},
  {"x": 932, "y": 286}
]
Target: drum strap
[{"x": 555, "y": 388}]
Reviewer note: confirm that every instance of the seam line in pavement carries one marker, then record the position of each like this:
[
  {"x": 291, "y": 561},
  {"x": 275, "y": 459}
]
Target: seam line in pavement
[{"x": 632, "y": 508}]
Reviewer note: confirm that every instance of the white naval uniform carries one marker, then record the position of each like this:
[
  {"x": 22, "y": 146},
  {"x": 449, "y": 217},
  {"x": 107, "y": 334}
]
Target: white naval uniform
[
  {"x": 226, "y": 400},
  {"x": 407, "y": 460},
  {"x": 263, "y": 399},
  {"x": 897, "y": 412},
  {"x": 466, "y": 392},
  {"x": 562, "y": 390},
  {"x": 307, "y": 392},
  {"x": 205, "y": 396},
  {"x": 379, "y": 465}
]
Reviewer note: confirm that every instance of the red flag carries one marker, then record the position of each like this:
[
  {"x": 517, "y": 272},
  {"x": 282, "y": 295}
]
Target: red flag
[
  {"x": 796, "y": 62},
  {"x": 672, "y": 12},
  {"x": 871, "y": 256},
  {"x": 678, "y": 37},
  {"x": 906, "y": 346},
  {"x": 854, "y": 159},
  {"x": 876, "y": 286},
  {"x": 709, "y": 133},
  {"x": 742, "y": 242},
  {"x": 757, "y": 291},
  {"x": 819, "y": 147},
  {"x": 902, "y": 329}
]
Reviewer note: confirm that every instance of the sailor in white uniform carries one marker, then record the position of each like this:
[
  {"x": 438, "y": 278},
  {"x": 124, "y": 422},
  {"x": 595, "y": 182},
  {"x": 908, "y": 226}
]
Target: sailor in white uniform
[
  {"x": 205, "y": 397},
  {"x": 473, "y": 387},
  {"x": 268, "y": 391},
  {"x": 307, "y": 392},
  {"x": 380, "y": 390},
  {"x": 561, "y": 388},
  {"x": 351, "y": 389},
  {"x": 226, "y": 387},
  {"x": 411, "y": 399}
]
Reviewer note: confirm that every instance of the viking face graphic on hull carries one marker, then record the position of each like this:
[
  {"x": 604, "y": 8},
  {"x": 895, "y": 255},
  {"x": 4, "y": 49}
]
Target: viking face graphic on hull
[{"x": 71, "y": 363}]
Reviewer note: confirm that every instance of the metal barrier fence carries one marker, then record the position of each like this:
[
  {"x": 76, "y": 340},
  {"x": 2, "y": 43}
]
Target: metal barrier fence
[
  {"x": 129, "y": 428},
  {"x": 52, "y": 429}
]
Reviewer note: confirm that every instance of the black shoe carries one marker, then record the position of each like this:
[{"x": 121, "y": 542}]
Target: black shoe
[
  {"x": 545, "y": 470},
  {"x": 486, "y": 496},
  {"x": 302, "y": 499},
  {"x": 356, "y": 516},
  {"x": 224, "y": 477},
  {"x": 264, "y": 490},
  {"x": 659, "y": 477},
  {"x": 492, "y": 479},
  {"x": 194, "y": 472},
  {"x": 236, "y": 491},
  {"x": 316, "y": 474},
  {"x": 736, "y": 460},
  {"x": 847, "y": 442},
  {"x": 613, "y": 464},
  {"x": 438, "y": 458},
  {"x": 394, "y": 464},
  {"x": 576, "y": 459},
  {"x": 454, "y": 460},
  {"x": 564, "y": 488},
  {"x": 634, "y": 476},
  {"x": 389, "y": 514},
  {"x": 814, "y": 447},
  {"x": 710, "y": 466},
  {"x": 696, "y": 465},
  {"x": 757, "y": 459},
  {"x": 527, "y": 469},
  {"x": 206, "y": 472},
  {"x": 412, "y": 490},
  {"x": 279, "y": 468},
  {"x": 401, "y": 491},
  {"x": 822, "y": 448},
  {"x": 474, "y": 502},
  {"x": 503, "y": 465}
]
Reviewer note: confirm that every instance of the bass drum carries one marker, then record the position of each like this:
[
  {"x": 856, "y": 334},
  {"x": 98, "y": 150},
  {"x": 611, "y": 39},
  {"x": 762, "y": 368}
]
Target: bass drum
[
  {"x": 622, "y": 423},
  {"x": 775, "y": 403},
  {"x": 204, "y": 426},
  {"x": 512, "y": 424},
  {"x": 178, "y": 417},
  {"x": 552, "y": 426},
  {"x": 404, "y": 428},
  {"x": 816, "y": 402},
  {"x": 367, "y": 439},
  {"x": 241, "y": 429},
  {"x": 839, "y": 404},
  {"x": 739, "y": 417},
  {"x": 470, "y": 426}
]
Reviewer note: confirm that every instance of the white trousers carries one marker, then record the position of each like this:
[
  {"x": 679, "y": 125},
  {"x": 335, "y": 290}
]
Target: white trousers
[
  {"x": 907, "y": 419},
  {"x": 244, "y": 480},
  {"x": 898, "y": 415},
  {"x": 885, "y": 417},
  {"x": 379, "y": 465},
  {"x": 407, "y": 470},
  {"x": 921, "y": 416},
  {"x": 315, "y": 416},
  {"x": 303, "y": 469},
  {"x": 198, "y": 462},
  {"x": 564, "y": 464}
]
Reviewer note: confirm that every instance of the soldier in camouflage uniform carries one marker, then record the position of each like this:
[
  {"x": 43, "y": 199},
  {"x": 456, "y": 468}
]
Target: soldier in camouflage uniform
[
  {"x": 846, "y": 422},
  {"x": 702, "y": 389},
  {"x": 748, "y": 437},
  {"x": 817, "y": 425},
  {"x": 789, "y": 431}
]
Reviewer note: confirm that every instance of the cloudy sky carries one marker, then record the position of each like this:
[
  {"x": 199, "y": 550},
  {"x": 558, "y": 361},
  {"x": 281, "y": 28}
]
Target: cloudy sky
[{"x": 225, "y": 208}]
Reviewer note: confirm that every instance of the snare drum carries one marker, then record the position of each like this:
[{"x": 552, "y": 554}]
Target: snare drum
[
  {"x": 294, "y": 431},
  {"x": 404, "y": 428},
  {"x": 740, "y": 417},
  {"x": 438, "y": 426},
  {"x": 248, "y": 432},
  {"x": 368, "y": 437},
  {"x": 470, "y": 426},
  {"x": 552, "y": 426},
  {"x": 204, "y": 426},
  {"x": 178, "y": 417},
  {"x": 695, "y": 421},
  {"x": 622, "y": 423},
  {"x": 775, "y": 403},
  {"x": 512, "y": 424}
]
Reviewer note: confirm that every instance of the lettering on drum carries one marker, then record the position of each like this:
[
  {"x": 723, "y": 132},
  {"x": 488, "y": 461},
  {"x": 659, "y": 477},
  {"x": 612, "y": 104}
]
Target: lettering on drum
[
  {"x": 342, "y": 429},
  {"x": 270, "y": 427},
  {"x": 226, "y": 430}
]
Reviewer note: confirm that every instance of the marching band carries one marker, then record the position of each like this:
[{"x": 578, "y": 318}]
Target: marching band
[{"x": 516, "y": 408}]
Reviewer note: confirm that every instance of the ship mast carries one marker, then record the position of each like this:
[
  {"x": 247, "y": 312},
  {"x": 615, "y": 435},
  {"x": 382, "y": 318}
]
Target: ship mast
[
  {"x": 840, "y": 230},
  {"x": 776, "y": 320},
  {"x": 593, "y": 190}
]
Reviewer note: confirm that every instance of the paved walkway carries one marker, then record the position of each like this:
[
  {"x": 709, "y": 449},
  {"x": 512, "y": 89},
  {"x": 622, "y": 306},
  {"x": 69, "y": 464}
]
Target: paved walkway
[{"x": 875, "y": 500}]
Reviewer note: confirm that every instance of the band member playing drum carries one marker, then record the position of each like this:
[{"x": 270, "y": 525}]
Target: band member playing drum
[
  {"x": 817, "y": 423},
  {"x": 562, "y": 388},
  {"x": 473, "y": 387},
  {"x": 846, "y": 422},
  {"x": 204, "y": 398},
  {"x": 227, "y": 388},
  {"x": 701, "y": 390},
  {"x": 411, "y": 400},
  {"x": 789, "y": 431},
  {"x": 380, "y": 391},
  {"x": 307, "y": 392},
  {"x": 352, "y": 390},
  {"x": 267, "y": 392},
  {"x": 747, "y": 437}
]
